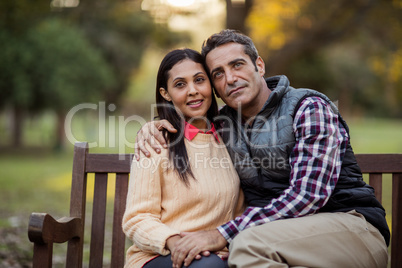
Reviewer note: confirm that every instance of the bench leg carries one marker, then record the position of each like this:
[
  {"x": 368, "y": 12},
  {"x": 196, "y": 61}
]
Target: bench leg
[{"x": 42, "y": 257}]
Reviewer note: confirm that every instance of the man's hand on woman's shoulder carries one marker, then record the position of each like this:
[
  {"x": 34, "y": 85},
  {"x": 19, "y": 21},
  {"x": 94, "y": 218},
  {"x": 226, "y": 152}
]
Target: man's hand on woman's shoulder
[{"x": 151, "y": 133}]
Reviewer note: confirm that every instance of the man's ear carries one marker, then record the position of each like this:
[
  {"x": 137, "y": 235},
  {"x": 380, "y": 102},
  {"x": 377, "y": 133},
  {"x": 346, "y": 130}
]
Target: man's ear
[
  {"x": 260, "y": 66},
  {"x": 165, "y": 94}
]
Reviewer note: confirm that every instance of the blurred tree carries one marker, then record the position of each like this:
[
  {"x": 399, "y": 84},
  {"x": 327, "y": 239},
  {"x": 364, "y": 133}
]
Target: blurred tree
[
  {"x": 14, "y": 85},
  {"x": 68, "y": 70},
  {"x": 236, "y": 14},
  {"x": 16, "y": 18},
  {"x": 122, "y": 32},
  {"x": 51, "y": 66},
  {"x": 300, "y": 39},
  {"x": 88, "y": 54}
]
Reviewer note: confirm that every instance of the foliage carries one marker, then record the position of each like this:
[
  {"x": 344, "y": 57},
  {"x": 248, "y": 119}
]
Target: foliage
[
  {"x": 90, "y": 51},
  {"x": 53, "y": 57},
  {"x": 68, "y": 69},
  {"x": 16, "y": 62},
  {"x": 51, "y": 66},
  {"x": 122, "y": 32},
  {"x": 349, "y": 49},
  {"x": 19, "y": 15}
]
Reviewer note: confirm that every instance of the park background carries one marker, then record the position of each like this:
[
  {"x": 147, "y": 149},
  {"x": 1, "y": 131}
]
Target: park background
[{"x": 85, "y": 70}]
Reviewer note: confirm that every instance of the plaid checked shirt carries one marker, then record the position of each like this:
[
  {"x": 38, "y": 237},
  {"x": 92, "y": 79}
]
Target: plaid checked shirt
[{"x": 316, "y": 163}]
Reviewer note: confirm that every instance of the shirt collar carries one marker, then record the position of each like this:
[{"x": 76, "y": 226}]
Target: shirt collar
[{"x": 191, "y": 131}]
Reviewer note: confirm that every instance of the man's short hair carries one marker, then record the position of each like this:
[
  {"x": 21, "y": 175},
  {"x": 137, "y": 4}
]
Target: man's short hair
[{"x": 230, "y": 36}]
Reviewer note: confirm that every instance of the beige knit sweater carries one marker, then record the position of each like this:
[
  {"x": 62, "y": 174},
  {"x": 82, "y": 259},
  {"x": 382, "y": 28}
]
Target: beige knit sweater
[{"x": 160, "y": 205}]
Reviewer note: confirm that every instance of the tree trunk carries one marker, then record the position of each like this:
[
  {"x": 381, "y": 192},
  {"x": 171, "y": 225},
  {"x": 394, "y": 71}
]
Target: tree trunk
[
  {"x": 236, "y": 14},
  {"x": 17, "y": 121},
  {"x": 60, "y": 133}
]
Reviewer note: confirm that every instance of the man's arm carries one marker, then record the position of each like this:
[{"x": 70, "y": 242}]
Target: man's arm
[
  {"x": 316, "y": 160},
  {"x": 316, "y": 163},
  {"x": 151, "y": 133}
]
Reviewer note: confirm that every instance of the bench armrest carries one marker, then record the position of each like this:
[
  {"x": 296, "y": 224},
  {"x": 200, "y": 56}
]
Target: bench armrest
[{"x": 44, "y": 229}]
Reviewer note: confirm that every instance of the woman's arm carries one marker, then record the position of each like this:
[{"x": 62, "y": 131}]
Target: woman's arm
[
  {"x": 142, "y": 218},
  {"x": 241, "y": 204}
]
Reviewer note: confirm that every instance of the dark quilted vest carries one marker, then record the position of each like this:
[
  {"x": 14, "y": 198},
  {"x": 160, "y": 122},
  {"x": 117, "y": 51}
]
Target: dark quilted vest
[{"x": 261, "y": 153}]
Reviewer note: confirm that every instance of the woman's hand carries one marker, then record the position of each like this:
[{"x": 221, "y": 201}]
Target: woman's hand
[
  {"x": 151, "y": 133},
  {"x": 171, "y": 241},
  {"x": 193, "y": 244}
]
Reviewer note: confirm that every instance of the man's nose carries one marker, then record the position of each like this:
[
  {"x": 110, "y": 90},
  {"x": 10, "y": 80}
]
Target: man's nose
[{"x": 231, "y": 78}]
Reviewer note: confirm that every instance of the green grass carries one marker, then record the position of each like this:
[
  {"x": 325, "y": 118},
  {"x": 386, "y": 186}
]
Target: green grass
[
  {"x": 376, "y": 135},
  {"x": 38, "y": 180}
]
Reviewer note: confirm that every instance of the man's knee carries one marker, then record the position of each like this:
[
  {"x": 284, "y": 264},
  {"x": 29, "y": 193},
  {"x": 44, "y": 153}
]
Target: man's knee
[
  {"x": 239, "y": 249},
  {"x": 250, "y": 249},
  {"x": 242, "y": 241}
]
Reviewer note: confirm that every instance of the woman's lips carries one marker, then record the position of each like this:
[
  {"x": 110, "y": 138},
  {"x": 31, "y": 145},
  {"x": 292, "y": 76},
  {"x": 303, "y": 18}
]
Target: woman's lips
[{"x": 195, "y": 103}]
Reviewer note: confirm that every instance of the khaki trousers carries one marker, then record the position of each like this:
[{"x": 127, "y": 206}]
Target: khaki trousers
[{"x": 321, "y": 240}]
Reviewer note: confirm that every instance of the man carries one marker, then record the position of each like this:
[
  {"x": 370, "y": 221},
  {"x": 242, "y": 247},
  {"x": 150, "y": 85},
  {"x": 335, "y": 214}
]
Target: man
[{"x": 308, "y": 204}]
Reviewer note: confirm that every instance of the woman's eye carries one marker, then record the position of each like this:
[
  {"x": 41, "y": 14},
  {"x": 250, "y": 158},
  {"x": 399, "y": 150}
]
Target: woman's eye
[
  {"x": 179, "y": 84},
  {"x": 199, "y": 79}
]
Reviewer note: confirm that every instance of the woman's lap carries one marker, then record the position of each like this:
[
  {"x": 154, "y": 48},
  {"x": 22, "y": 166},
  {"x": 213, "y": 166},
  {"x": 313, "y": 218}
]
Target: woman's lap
[{"x": 212, "y": 261}]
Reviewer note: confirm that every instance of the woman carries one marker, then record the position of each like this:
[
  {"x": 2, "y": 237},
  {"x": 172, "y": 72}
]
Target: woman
[{"x": 190, "y": 186}]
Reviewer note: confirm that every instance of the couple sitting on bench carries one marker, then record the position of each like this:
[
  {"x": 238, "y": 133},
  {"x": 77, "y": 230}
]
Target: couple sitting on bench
[{"x": 286, "y": 150}]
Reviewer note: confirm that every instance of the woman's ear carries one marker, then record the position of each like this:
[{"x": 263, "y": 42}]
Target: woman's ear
[{"x": 165, "y": 94}]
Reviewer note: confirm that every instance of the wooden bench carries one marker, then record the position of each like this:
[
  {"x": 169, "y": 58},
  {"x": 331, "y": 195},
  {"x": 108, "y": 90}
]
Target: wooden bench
[{"x": 44, "y": 230}]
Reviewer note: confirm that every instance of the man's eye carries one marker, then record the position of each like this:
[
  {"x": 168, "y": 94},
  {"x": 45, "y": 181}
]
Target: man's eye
[
  {"x": 218, "y": 75},
  {"x": 238, "y": 64}
]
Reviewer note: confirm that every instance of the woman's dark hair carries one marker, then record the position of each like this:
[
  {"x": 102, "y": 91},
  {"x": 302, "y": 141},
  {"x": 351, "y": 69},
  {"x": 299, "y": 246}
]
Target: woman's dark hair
[{"x": 177, "y": 149}]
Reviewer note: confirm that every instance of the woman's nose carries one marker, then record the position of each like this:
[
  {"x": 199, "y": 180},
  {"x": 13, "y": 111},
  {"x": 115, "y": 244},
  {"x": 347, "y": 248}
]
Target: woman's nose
[{"x": 192, "y": 89}]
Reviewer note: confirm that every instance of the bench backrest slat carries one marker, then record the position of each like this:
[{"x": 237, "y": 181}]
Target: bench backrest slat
[
  {"x": 375, "y": 180},
  {"x": 119, "y": 238},
  {"x": 380, "y": 163},
  {"x": 77, "y": 204},
  {"x": 98, "y": 221},
  {"x": 108, "y": 163},
  {"x": 396, "y": 241}
]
